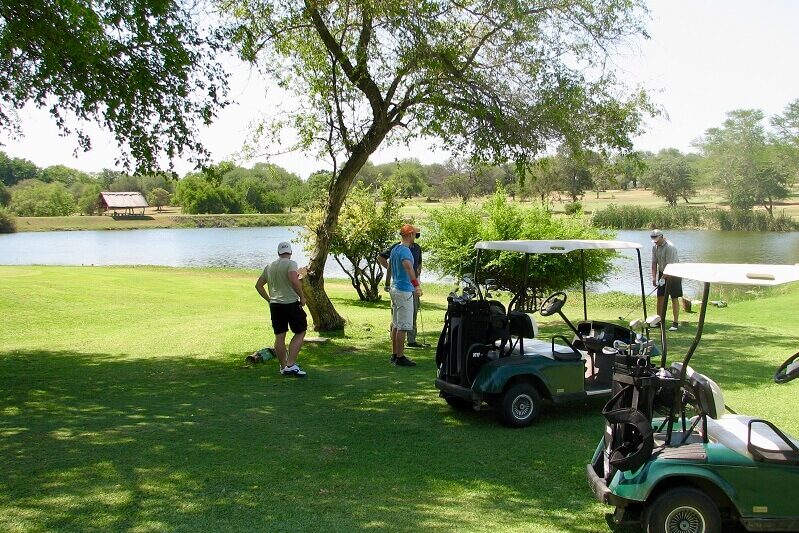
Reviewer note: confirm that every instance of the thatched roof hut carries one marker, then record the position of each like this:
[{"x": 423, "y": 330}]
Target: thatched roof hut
[{"x": 126, "y": 203}]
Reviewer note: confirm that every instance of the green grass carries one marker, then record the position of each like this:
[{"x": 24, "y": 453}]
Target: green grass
[{"x": 124, "y": 406}]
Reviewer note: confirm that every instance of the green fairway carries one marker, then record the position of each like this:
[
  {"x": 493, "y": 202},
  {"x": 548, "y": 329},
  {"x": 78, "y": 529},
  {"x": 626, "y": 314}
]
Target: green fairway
[{"x": 125, "y": 406}]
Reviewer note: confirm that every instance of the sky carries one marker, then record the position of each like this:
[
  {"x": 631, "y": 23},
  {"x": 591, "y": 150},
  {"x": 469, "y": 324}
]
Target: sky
[{"x": 704, "y": 59}]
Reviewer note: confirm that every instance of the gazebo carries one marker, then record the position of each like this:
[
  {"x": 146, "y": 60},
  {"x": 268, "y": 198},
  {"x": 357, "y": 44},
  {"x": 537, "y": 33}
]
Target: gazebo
[{"x": 124, "y": 203}]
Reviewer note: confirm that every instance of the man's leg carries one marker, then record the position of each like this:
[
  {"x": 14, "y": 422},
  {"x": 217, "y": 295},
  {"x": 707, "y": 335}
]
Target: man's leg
[
  {"x": 399, "y": 342},
  {"x": 280, "y": 348},
  {"x": 412, "y": 333},
  {"x": 660, "y": 310},
  {"x": 675, "y": 309},
  {"x": 294, "y": 348}
]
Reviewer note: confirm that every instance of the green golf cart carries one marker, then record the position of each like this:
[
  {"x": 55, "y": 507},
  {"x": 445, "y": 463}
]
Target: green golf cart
[
  {"x": 492, "y": 356},
  {"x": 674, "y": 458}
]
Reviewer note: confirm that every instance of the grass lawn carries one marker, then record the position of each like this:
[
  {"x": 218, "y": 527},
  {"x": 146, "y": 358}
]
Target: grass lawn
[{"x": 124, "y": 406}]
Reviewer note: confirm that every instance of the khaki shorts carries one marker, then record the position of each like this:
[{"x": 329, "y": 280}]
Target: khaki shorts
[{"x": 402, "y": 310}]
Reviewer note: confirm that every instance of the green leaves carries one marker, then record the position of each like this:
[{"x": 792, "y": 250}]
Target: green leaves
[
  {"x": 453, "y": 232},
  {"x": 140, "y": 68}
]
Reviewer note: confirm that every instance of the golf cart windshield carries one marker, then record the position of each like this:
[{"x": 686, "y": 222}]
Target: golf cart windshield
[{"x": 529, "y": 303}]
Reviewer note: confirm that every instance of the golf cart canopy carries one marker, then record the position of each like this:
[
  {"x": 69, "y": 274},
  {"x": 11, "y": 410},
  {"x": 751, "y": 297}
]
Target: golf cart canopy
[
  {"x": 554, "y": 247},
  {"x": 734, "y": 274}
]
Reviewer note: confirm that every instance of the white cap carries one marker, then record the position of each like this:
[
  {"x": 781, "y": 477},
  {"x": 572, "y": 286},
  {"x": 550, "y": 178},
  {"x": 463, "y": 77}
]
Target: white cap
[{"x": 283, "y": 248}]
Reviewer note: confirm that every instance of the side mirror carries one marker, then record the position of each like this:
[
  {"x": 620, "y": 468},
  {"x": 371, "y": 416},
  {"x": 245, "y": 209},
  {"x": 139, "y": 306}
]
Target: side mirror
[{"x": 653, "y": 321}]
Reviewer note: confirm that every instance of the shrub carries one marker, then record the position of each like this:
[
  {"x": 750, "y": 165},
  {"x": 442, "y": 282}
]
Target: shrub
[
  {"x": 5, "y": 195},
  {"x": 454, "y": 231},
  {"x": 637, "y": 217},
  {"x": 573, "y": 208},
  {"x": 745, "y": 220},
  {"x": 89, "y": 200},
  {"x": 33, "y": 198},
  {"x": 7, "y": 222},
  {"x": 199, "y": 196}
]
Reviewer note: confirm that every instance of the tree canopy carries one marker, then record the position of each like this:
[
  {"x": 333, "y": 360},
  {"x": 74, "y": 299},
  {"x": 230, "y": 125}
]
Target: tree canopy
[
  {"x": 143, "y": 69},
  {"x": 494, "y": 80}
]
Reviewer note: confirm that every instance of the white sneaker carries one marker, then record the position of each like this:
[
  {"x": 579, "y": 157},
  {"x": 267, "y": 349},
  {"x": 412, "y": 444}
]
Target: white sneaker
[
  {"x": 674, "y": 326},
  {"x": 294, "y": 370}
]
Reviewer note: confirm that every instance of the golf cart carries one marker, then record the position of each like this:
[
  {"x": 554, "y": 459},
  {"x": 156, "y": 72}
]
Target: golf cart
[
  {"x": 700, "y": 465},
  {"x": 491, "y": 355}
]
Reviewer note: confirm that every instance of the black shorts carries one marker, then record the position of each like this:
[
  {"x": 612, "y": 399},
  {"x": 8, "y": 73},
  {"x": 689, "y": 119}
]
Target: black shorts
[
  {"x": 288, "y": 315},
  {"x": 674, "y": 285}
]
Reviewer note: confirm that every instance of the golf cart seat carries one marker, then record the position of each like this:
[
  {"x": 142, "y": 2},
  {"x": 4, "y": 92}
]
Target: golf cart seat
[
  {"x": 709, "y": 399},
  {"x": 522, "y": 325},
  {"x": 751, "y": 437},
  {"x": 765, "y": 443},
  {"x": 548, "y": 349}
]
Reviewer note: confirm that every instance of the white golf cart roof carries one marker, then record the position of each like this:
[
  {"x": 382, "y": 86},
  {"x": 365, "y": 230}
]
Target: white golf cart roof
[
  {"x": 554, "y": 247},
  {"x": 734, "y": 274}
]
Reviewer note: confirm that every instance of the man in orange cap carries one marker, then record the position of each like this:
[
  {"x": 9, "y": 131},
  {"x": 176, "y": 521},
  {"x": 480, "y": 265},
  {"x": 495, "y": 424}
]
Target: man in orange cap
[{"x": 404, "y": 285}]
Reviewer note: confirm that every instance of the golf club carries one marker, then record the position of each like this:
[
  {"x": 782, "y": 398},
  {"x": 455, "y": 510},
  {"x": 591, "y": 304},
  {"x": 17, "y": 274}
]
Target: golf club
[
  {"x": 661, "y": 282},
  {"x": 421, "y": 322}
]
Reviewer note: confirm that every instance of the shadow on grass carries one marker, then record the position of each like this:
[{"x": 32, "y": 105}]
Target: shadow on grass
[{"x": 94, "y": 441}]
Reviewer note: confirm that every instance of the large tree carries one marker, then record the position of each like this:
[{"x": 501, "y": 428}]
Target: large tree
[
  {"x": 494, "y": 80},
  {"x": 671, "y": 176},
  {"x": 745, "y": 165},
  {"x": 142, "y": 69}
]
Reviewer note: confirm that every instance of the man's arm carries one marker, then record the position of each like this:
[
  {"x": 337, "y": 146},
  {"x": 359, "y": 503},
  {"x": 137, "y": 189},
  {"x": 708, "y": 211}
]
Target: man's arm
[
  {"x": 383, "y": 262},
  {"x": 260, "y": 287},
  {"x": 407, "y": 264},
  {"x": 294, "y": 278}
]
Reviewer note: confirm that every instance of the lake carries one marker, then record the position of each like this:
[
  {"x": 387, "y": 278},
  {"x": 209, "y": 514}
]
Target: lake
[{"x": 254, "y": 247}]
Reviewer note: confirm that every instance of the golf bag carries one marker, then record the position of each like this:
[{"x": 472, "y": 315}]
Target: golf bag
[
  {"x": 468, "y": 338},
  {"x": 629, "y": 439}
]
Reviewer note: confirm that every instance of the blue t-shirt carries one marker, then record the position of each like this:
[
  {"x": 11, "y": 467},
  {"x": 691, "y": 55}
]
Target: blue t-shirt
[{"x": 400, "y": 281}]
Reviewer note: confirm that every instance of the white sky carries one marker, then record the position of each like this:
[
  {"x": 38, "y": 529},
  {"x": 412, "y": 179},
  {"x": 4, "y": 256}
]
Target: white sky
[{"x": 704, "y": 58}]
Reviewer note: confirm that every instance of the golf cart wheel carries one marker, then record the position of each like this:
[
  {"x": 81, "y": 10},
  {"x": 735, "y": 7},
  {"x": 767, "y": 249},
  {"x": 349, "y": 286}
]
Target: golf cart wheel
[
  {"x": 683, "y": 510},
  {"x": 457, "y": 403},
  {"x": 521, "y": 405}
]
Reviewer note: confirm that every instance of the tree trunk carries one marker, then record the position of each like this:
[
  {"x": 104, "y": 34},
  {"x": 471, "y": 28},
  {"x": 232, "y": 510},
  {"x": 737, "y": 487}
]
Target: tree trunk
[{"x": 324, "y": 315}]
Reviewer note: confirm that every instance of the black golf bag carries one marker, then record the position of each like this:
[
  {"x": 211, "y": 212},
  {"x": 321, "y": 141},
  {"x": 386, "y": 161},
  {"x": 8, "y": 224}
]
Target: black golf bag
[
  {"x": 469, "y": 338},
  {"x": 628, "y": 434}
]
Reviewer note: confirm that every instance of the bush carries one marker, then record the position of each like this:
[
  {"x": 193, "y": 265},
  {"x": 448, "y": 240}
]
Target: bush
[
  {"x": 89, "y": 200},
  {"x": 5, "y": 195},
  {"x": 637, "y": 217},
  {"x": 744, "y": 220},
  {"x": 454, "y": 231},
  {"x": 7, "y": 222},
  {"x": 33, "y": 198},
  {"x": 199, "y": 196},
  {"x": 573, "y": 208}
]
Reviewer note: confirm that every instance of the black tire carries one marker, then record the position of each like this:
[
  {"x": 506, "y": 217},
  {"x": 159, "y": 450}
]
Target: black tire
[
  {"x": 682, "y": 510},
  {"x": 521, "y": 405},
  {"x": 459, "y": 404}
]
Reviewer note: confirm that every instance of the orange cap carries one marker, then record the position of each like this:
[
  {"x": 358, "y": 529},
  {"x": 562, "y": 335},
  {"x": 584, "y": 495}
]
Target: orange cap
[{"x": 408, "y": 229}]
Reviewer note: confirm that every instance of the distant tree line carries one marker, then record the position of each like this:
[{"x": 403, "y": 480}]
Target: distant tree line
[{"x": 747, "y": 163}]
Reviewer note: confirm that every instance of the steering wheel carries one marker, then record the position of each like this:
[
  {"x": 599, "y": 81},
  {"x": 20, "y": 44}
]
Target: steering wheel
[
  {"x": 789, "y": 370},
  {"x": 553, "y": 303}
]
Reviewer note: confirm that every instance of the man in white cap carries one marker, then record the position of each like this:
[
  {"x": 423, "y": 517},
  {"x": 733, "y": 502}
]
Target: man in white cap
[
  {"x": 286, "y": 302},
  {"x": 664, "y": 253}
]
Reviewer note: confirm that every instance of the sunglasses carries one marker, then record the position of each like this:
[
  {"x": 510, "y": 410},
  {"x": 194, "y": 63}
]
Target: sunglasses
[{"x": 418, "y": 235}]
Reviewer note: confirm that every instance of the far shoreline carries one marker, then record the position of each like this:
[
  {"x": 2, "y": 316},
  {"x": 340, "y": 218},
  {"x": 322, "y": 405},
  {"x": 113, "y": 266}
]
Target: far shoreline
[{"x": 155, "y": 221}]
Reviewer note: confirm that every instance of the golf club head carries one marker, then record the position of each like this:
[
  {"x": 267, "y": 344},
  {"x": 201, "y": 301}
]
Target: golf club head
[
  {"x": 619, "y": 345},
  {"x": 661, "y": 282},
  {"x": 653, "y": 321},
  {"x": 635, "y": 323}
]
